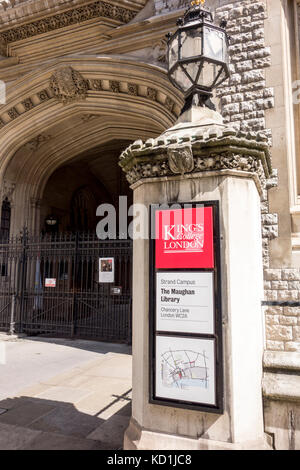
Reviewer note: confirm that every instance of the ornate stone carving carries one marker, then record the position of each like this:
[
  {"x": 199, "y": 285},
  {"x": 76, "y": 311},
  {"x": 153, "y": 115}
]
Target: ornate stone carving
[
  {"x": 208, "y": 150},
  {"x": 3, "y": 48},
  {"x": 114, "y": 86},
  {"x": 147, "y": 170},
  {"x": 7, "y": 190},
  {"x": 96, "y": 85},
  {"x": 133, "y": 89},
  {"x": 218, "y": 162},
  {"x": 28, "y": 104},
  {"x": 151, "y": 93},
  {"x": 37, "y": 142},
  {"x": 68, "y": 85},
  {"x": 67, "y": 18},
  {"x": 13, "y": 113},
  {"x": 160, "y": 51},
  {"x": 88, "y": 117},
  {"x": 180, "y": 160},
  {"x": 169, "y": 104},
  {"x": 43, "y": 95}
]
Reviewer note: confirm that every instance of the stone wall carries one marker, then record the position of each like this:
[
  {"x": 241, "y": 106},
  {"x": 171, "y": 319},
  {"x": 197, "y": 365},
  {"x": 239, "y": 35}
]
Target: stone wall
[
  {"x": 245, "y": 98},
  {"x": 282, "y": 292},
  {"x": 164, "y": 6}
]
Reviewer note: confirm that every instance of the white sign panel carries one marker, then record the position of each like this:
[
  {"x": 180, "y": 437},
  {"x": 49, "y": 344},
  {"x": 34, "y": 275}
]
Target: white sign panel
[
  {"x": 50, "y": 282},
  {"x": 185, "y": 302},
  {"x": 106, "y": 270},
  {"x": 185, "y": 369}
]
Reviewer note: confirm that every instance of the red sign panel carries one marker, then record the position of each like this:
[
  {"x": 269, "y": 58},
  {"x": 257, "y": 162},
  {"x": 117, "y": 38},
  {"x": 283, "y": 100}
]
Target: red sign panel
[{"x": 184, "y": 238}]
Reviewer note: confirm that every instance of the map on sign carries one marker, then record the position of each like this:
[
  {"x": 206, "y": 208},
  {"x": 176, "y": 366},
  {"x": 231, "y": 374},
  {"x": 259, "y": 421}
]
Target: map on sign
[{"x": 184, "y": 369}]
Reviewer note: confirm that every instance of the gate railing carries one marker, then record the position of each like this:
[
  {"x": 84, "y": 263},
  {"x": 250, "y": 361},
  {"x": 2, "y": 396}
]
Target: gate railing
[{"x": 77, "y": 304}]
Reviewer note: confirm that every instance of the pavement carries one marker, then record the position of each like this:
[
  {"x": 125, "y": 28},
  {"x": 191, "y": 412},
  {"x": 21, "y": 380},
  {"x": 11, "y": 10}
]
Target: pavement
[{"x": 63, "y": 394}]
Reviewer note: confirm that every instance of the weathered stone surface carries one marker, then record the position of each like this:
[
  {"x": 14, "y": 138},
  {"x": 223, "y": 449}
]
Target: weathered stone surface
[
  {"x": 291, "y": 274},
  {"x": 281, "y": 386},
  {"x": 279, "y": 333},
  {"x": 292, "y": 346},
  {"x": 296, "y": 333},
  {"x": 272, "y": 274},
  {"x": 287, "y": 321},
  {"x": 275, "y": 345},
  {"x": 279, "y": 285},
  {"x": 274, "y": 310},
  {"x": 291, "y": 311}
]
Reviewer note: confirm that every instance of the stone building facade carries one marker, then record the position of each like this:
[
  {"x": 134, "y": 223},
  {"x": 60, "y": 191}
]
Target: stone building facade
[{"x": 85, "y": 79}]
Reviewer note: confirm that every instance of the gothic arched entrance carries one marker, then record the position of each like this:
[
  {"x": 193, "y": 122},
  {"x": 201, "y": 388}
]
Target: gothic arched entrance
[{"x": 59, "y": 152}]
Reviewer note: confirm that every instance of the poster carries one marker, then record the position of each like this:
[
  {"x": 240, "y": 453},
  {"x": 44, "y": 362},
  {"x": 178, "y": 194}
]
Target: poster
[
  {"x": 185, "y": 302},
  {"x": 106, "y": 270},
  {"x": 184, "y": 238},
  {"x": 185, "y": 369},
  {"x": 50, "y": 282}
]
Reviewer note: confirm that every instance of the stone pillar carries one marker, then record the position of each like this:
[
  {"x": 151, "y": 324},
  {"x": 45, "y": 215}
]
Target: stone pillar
[{"x": 232, "y": 168}]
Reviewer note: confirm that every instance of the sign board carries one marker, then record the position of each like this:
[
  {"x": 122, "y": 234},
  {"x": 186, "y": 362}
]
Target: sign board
[
  {"x": 116, "y": 290},
  {"x": 186, "y": 367},
  {"x": 50, "y": 282},
  {"x": 184, "y": 238},
  {"x": 185, "y": 302},
  {"x": 106, "y": 270}
]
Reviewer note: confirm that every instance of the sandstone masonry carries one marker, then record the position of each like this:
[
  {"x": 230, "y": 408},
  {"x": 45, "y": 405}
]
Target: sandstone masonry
[{"x": 282, "y": 286}]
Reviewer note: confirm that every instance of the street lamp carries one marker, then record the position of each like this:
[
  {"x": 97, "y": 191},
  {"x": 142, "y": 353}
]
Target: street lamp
[
  {"x": 51, "y": 221},
  {"x": 198, "y": 56}
]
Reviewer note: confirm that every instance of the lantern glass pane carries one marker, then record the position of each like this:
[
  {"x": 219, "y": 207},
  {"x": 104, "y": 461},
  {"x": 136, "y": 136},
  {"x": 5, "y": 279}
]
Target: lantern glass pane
[
  {"x": 214, "y": 44},
  {"x": 192, "y": 69},
  {"x": 173, "y": 51},
  {"x": 191, "y": 43},
  {"x": 181, "y": 79},
  {"x": 208, "y": 74},
  {"x": 221, "y": 78}
]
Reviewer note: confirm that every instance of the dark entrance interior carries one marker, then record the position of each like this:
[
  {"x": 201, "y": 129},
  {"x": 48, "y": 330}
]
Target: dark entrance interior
[{"x": 75, "y": 190}]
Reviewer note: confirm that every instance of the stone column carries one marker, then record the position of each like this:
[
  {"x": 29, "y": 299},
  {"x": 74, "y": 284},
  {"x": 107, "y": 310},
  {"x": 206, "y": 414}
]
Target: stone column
[{"x": 216, "y": 163}]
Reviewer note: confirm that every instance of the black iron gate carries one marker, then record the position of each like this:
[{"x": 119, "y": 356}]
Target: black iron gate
[{"x": 49, "y": 285}]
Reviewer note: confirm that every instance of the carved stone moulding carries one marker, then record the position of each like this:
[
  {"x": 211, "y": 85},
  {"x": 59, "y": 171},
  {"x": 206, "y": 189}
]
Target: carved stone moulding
[
  {"x": 67, "y": 85},
  {"x": 207, "y": 151},
  {"x": 7, "y": 190},
  {"x": 37, "y": 142},
  {"x": 70, "y": 17}
]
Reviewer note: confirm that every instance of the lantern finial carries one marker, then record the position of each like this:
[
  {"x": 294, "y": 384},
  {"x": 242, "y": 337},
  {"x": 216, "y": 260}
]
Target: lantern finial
[{"x": 197, "y": 2}]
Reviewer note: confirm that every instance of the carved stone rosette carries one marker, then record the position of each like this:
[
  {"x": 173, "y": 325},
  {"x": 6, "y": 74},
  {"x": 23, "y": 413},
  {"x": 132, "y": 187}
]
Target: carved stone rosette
[{"x": 219, "y": 149}]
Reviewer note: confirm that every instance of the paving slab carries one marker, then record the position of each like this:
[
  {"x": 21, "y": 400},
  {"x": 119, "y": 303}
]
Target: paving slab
[
  {"x": 61, "y": 411},
  {"x": 15, "y": 437},
  {"x": 67, "y": 421},
  {"x": 64, "y": 394},
  {"x": 26, "y": 413},
  {"x": 111, "y": 432},
  {"x": 53, "y": 441},
  {"x": 114, "y": 367}
]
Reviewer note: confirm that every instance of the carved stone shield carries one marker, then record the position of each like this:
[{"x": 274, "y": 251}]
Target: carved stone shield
[{"x": 180, "y": 160}]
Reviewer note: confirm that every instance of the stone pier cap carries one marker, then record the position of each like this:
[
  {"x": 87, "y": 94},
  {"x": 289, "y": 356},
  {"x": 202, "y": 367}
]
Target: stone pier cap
[{"x": 190, "y": 150}]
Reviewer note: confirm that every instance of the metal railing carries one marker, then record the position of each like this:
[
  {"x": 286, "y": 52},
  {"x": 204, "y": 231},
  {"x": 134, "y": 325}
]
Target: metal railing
[{"x": 77, "y": 305}]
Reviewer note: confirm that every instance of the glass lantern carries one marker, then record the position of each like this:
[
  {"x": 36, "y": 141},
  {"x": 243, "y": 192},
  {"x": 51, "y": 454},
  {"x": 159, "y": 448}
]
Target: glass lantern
[{"x": 198, "y": 54}]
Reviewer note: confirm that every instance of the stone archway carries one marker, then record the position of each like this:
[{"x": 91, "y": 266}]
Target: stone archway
[{"x": 69, "y": 108}]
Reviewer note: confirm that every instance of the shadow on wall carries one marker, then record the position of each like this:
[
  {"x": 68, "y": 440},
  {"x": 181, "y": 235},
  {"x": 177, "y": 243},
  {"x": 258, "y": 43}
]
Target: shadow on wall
[{"x": 28, "y": 423}]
